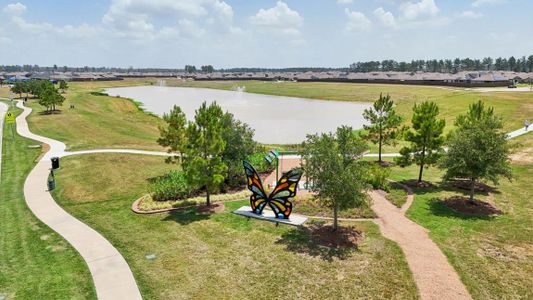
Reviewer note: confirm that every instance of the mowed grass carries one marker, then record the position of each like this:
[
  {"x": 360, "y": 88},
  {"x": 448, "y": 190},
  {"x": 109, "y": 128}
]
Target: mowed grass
[
  {"x": 493, "y": 255},
  {"x": 222, "y": 256},
  {"x": 97, "y": 121},
  {"x": 35, "y": 262}
]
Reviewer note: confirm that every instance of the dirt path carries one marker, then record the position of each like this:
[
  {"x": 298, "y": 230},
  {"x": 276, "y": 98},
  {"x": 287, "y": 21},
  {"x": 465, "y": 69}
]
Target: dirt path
[{"x": 434, "y": 276}]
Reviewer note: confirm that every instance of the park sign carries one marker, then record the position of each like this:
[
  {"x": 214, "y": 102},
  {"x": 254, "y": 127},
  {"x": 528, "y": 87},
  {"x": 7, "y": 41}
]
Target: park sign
[{"x": 10, "y": 118}]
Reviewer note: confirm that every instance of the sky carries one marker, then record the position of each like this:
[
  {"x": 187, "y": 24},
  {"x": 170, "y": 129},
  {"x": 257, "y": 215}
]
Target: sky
[{"x": 259, "y": 33}]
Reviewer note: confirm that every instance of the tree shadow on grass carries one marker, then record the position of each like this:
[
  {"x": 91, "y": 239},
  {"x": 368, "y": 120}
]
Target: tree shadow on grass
[
  {"x": 439, "y": 208},
  {"x": 442, "y": 186},
  {"x": 299, "y": 241},
  {"x": 186, "y": 216}
]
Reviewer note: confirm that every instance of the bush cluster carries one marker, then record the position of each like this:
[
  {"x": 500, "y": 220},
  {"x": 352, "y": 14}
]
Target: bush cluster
[{"x": 172, "y": 186}]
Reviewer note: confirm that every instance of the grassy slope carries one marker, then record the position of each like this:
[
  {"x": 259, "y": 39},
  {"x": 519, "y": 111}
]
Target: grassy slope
[
  {"x": 494, "y": 256},
  {"x": 223, "y": 256},
  {"x": 35, "y": 262},
  {"x": 98, "y": 121}
]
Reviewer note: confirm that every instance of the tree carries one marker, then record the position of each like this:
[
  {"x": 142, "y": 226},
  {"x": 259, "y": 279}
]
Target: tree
[
  {"x": 207, "y": 69},
  {"x": 530, "y": 63},
  {"x": 425, "y": 137},
  {"x": 331, "y": 162},
  {"x": 51, "y": 97},
  {"x": 63, "y": 85},
  {"x": 174, "y": 134},
  {"x": 240, "y": 144},
  {"x": 190, "y": 69},
  {"x": 18, "y": 88},
  {"x": 511, "y": 63},
  {"x": 477, "y": 149},
  {"x": 384, "y": 122},
  {"x": 204, "y": 165}
]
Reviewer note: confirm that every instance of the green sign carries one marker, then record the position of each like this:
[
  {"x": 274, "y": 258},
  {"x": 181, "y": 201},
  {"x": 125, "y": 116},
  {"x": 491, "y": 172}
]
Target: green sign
[{"x": 10, "y": 118}]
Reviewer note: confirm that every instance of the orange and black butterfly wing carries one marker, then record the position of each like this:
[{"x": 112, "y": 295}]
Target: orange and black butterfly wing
[
  {"x": 285, "y": 189},
  {"x": 258, "y": 199}
]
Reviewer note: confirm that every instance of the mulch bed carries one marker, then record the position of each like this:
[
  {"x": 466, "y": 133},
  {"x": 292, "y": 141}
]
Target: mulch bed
[
  {"x": 343, "y": 237},
  {"x": 478, "y": 186},
  {"x": 415, "y": 183},
  {"x": 212, "y": 209},
  {"x": 478, "y": 208}
]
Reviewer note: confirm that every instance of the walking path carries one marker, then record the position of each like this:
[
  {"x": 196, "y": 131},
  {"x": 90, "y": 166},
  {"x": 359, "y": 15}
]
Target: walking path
[
  {"x": 111, "y": 274},
  {"x": 433, "y": 274}
]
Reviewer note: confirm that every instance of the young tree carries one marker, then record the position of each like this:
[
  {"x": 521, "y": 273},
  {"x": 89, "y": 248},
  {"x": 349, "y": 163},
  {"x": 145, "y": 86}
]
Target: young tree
[
  {"x": 477, "y": 149},
  {"x": 425, "y": 137},
  {"x": 240, "y": 145},
  {"x": 18, "y": 88},
  {"x": 331, "y": 162},
  {"x": 50, "y": 98},
  {"x": 204, "y": 165},
  {"x": 174, "y": 134},
  {"x": 63, "y": 85},
  {"x": 384, "y": 122}
]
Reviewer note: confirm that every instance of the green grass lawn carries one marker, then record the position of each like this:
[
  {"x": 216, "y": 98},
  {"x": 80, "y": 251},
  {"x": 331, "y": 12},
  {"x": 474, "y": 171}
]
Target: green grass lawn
[
  {"x": 222, "y": 255},
  {"x": 396, "y": 194},
  {"x": 35, "y": 262},
  {"x": 494, "y": 256},
  {"x": 98, "y": 121}
]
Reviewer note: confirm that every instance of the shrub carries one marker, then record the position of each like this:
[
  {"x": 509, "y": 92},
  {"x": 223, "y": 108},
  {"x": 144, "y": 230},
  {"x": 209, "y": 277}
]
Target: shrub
[
  {"x": 260, "y": 164},
  {"x": 172, "y": 186},
  {"x": 377, "y": 177}
]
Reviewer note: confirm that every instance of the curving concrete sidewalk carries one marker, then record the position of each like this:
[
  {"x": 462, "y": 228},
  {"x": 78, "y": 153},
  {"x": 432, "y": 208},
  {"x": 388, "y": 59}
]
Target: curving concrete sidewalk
[{"x": 111, "y": 274}]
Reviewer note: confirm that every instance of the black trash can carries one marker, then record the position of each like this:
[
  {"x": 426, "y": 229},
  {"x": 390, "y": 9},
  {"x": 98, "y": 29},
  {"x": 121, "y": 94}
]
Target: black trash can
[
  {"x": 55, "y": 163},
  {"x": 51, "y": 184}
]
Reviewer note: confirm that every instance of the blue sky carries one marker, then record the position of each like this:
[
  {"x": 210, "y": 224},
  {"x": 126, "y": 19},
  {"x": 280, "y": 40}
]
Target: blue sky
[{"x": 245, "y": 33}]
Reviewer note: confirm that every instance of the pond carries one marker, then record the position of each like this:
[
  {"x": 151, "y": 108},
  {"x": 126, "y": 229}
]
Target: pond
[{"x": 275, "y": 119}]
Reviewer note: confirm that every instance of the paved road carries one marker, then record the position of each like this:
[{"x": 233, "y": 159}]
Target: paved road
[
  {"x": 111, "y": 274},
  {"x": 3, "y": 110}
]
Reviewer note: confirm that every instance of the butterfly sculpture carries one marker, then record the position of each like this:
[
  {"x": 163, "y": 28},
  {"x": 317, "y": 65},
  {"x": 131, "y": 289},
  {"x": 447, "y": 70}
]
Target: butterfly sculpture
[{"x": 278, "y": 200}]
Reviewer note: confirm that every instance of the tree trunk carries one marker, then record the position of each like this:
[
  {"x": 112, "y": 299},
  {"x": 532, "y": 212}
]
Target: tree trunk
[
  {"x": 208, "y": 200},
  {"x": 335, "y": 216},
  {"x": 422, "y": 164},
  {"x": 380, "y": 142},
  {"x": 472, "y": 190}
]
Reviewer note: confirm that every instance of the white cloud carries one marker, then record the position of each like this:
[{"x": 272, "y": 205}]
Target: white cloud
[
  {"x": 357, "y": 21},
  {"x": 280, "y": 23},
  {"x": 279, "y": 16},
  {"x": 15, "y": 8},
  {"x": 386, "y": 18},
  {"x": 468, "y": 14},
  {"x": 478, "y": 3},
  {"x": 419, "y": 10},
  {"x": 344, "y": 2}
]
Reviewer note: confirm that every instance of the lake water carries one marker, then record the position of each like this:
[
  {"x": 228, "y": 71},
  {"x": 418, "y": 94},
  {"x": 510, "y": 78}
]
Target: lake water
[{"x": 276, "y": 119}]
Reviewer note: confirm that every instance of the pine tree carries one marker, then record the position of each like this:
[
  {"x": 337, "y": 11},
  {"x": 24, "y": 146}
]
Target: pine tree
[
  {"x": 425, "y": 138},
  {"x": 384, "y": 122}
]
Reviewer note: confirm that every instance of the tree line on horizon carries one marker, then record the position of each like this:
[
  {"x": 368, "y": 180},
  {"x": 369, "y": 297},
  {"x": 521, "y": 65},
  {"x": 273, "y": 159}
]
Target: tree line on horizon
[{"x": 521, "y": 64}]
